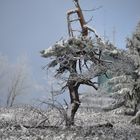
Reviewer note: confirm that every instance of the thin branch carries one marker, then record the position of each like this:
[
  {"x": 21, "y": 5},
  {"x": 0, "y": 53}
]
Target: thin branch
[
  {"x": 94, "y": 9},
  {"x": 90, "y": 83},
  {"x": 89, "y": 20},
  {"x": 73, "y": 20}
]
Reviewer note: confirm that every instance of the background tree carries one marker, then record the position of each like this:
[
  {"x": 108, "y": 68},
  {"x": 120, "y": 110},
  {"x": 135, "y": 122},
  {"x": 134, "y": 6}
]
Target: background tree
[
  {"x": 19, "y": 81},
  {"x": 15, "y": 79},
  {"x": 126, "y": 77},
  {"x": 134, "y": 50}
]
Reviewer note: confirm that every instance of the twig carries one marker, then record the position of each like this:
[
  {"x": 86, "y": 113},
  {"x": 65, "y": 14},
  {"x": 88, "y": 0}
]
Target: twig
[{"x": 94, "y": 9}]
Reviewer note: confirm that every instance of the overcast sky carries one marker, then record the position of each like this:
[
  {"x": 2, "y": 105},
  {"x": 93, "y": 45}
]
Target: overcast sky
[{"x": 28, "y": 26}]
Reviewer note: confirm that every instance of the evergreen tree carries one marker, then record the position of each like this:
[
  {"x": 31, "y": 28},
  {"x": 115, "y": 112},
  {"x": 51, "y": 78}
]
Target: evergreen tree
[{"x": 125, "y": 83}]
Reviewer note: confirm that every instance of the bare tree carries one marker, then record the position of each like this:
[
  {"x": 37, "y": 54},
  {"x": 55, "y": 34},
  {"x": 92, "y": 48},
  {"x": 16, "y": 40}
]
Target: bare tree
[
  {"x": 19, "y": 81},
  {"x": 80, "y": 59}
]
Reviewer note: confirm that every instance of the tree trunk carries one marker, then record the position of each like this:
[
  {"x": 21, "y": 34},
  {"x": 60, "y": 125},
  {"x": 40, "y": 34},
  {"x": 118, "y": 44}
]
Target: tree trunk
[
  {"x": 75, "y": 102},
  {"x": 136, "y": 119}
]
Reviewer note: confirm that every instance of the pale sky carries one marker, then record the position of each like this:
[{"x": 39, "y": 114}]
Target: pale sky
[{"x": 28, "y": 26}]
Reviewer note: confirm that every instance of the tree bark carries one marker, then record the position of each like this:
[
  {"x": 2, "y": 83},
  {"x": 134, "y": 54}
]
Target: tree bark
[
  {"x": 136, "y": 119},
  {"x": 75, "y": 102}
]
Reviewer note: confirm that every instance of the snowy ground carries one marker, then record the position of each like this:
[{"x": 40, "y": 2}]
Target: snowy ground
[{"x": 28, "y": 123}]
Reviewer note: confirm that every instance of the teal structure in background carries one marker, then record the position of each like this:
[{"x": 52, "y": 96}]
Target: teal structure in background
[{"x": 102, "y": 82}]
